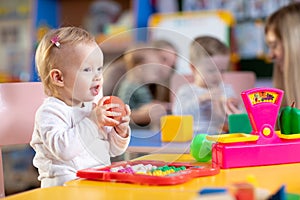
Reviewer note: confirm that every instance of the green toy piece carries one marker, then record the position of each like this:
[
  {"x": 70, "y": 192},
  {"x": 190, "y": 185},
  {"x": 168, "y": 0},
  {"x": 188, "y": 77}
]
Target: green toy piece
[
  {"x": 289, "y": 120},
  {"x": 201, "y": 148},
  {"x": 239, "y": 123}
]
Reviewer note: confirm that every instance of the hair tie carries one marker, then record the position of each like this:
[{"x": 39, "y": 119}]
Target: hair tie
[{"x": 55, "y": 41}]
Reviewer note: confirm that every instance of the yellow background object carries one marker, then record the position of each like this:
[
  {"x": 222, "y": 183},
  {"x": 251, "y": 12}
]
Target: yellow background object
[{"x": 176, "y": 128}]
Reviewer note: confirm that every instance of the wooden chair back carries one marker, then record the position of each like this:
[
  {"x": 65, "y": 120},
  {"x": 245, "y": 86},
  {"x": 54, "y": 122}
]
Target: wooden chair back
[
  {"x": 18, "y": 104},
  {"x": 240, "y": 80}
]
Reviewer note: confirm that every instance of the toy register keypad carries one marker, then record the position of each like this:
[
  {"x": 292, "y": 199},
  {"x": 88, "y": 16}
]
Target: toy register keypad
[{"x": 149, "y": 172}]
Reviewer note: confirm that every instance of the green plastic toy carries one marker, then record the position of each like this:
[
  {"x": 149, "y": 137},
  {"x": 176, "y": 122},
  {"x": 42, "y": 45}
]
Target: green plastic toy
[
  {"x": 201, "y": 148},
  {"x": 239, "y": 123},
  {"x": 289, "y": 120}
]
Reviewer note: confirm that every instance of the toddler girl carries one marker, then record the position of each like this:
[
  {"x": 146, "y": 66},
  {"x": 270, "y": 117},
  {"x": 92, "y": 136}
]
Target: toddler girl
[{"x": 70, "y": 131}]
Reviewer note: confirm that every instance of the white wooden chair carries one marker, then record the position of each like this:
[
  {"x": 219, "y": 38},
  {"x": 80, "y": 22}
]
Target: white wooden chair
[
  {"x": 240, "y": 80},
  {"x": 18, "y": 104}
]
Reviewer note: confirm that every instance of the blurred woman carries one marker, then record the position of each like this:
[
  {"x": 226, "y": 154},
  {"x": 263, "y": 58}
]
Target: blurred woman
[{"x": 282, "y": 34}]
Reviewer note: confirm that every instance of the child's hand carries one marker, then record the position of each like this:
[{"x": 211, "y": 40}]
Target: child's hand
[
  {"x": 213, "y": 94},
  {"x": 122, "y": 128},
  {"x": 231, "y": 106},
  {"x": 101, "y": 116},
  {"x": 204, "y": 98},
  {"x": 148, "y": 114}
]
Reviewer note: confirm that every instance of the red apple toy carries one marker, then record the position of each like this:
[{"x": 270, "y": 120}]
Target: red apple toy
[{"x": 120, "y": 109}]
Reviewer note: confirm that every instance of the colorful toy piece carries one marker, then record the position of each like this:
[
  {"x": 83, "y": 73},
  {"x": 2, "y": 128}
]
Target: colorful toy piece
[
  {"x": 289, "y": 120},
  {"x": 201, "y": 148},
  {"x": 149, "y": 172},
  {"x": 264, "y": 145},
  {"x": 176, "y": 128},
  {"x": 120, "y": 109},
  {"x": 239, "y": 123}
]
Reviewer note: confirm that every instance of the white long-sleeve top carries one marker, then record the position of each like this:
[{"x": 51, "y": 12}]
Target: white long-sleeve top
[
  {"x": 187, "y": 103},
  {"x": 66, "y": 140}
]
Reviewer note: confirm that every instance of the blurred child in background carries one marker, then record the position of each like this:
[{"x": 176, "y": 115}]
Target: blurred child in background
[
  {"x": 113, "y": 74},
  {"x": 207, "y": 98},
  {"x": 115, "y": 71},
  {"x": 168, "y": 57},
  {"x": 143, "y": 69}
]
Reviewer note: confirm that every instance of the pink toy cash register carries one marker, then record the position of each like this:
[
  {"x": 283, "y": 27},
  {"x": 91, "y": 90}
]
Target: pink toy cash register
[{"x": 264, "y": 146}]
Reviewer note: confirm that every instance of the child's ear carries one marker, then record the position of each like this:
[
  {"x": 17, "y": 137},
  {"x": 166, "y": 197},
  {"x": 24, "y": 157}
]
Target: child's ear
[{"x": 57, "y": 77}]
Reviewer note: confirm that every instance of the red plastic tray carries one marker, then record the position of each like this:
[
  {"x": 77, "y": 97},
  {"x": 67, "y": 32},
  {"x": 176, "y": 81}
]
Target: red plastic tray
[{"x": 191, "y": 171}]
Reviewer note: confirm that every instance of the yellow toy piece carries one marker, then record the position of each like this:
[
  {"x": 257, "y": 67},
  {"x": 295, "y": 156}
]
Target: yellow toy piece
[
  {"x": 232, "y": 138},
  {"x": 176, "y": 128}
]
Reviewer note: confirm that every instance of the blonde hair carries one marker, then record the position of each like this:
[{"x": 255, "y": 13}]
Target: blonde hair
[
  {"x": 163, "y": 45},
  {"x": 205, "y": 46},
  {"x": 285, "y": 24},
  {"x": 137, "y": 54},
  {"x": 48, "y": 56}
]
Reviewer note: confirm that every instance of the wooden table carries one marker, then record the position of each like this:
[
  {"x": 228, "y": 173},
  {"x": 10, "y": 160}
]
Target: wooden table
[
  {"x": 266, "y": 177},
  {"x": 106, "y": 192}
]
